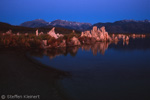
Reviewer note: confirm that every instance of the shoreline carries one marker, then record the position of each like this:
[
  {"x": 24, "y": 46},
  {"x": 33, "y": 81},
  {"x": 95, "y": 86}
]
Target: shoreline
[{"x": 23, "y": 76}]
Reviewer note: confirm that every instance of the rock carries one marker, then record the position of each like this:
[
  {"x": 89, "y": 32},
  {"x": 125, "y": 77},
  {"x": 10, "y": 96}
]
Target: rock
[
  {"x": 104, "y": 35},
  {"x": 73, "y": 31},
  {"x": 102, "y": 29},
  {"x": 116, "y": 39},
  {"x": 82, "y": 34},
  {"x": 93, "y": 40},
  {"x": 94, "y": 32},
  {"x": 119, "y": 36},
  {"x": 88, "y": 34},
  {"x": 109, "y": 38},
  {"x": 63, "y": 44},
  {"x": 44, "y": 42},
  {"x": 75, "y": 41},
  {"x": 26, "y": 34},
  {"x": 59, "y": 35},
  {"x": 53, "y": 34},
  {"x": 143, "y": 36},
  {"x": 98, "y": 39},
  {"x": 87, "y": 41},
  {"x": 113, "y": 36},
  {"x": 98, "y": 34},
  {"x": 127, "y": 38},
  {"x": 123, "y": 37},
  {"x": 102, "y": 38},
  {"x": 37, "y": 33},
  {"x": 94, "y": 28},
  {"x": 133, "y": 36},
  {"x": 18, "y": 34},
  {"x": 41, "y": 33},
  {"x": 9, "y": 32},
  {"x": 55, "y": 45}
]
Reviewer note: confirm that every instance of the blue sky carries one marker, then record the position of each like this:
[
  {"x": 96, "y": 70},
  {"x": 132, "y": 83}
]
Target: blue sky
[{"x": 17, "y": 11}]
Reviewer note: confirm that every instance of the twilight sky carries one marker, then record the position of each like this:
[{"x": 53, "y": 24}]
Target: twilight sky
[{"x": 17, "y": 11}]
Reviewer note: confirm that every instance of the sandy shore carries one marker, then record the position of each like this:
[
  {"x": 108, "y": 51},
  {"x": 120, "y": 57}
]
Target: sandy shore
[{"x": 21, "y": 76}]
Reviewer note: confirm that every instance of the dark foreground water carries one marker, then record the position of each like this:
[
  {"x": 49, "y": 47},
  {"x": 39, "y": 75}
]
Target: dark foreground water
[{"x": 103, "y": 71}]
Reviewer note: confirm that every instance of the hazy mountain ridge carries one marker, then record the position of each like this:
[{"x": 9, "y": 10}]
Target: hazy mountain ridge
[
  {"x": 126, "y": 26},
  {"x": 35, "y": 23},
  {"x": 57, "y": 23},
  {"x": 122, "y": 26}
]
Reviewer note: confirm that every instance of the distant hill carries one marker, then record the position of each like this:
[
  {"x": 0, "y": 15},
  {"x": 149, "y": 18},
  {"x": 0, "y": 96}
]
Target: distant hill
[
  {"x": 126, "y": 26},
  {"x": 57, "y": 23},
  {"x": 4, "y": 27},
  {"x": 35, "y": 23}
]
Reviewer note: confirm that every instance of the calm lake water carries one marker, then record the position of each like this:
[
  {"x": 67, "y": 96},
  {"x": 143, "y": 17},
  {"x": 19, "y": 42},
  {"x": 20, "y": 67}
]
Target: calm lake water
[{"x": 103, "y": 71}]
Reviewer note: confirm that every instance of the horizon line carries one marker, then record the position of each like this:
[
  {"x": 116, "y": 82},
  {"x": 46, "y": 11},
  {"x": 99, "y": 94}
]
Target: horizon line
[{"x": 78, "y": 21}]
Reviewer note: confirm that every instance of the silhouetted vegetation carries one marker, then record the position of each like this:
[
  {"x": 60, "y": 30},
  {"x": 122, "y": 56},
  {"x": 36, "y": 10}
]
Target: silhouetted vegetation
[
  {"x": 21, "y": 41},
  {"x": 32, "y": 41}
]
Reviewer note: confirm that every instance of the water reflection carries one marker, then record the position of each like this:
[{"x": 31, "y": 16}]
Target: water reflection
[
  {"x": 123, "y": 71},
  {"x": 99, "y": 47},
  {"x": 52, "y": 53},
  {"x": 125, "y": 42},
  {"x": 140, "y": 44}
]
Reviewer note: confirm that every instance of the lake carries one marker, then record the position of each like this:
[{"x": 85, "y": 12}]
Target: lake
[{"x": 102, "y": 71}]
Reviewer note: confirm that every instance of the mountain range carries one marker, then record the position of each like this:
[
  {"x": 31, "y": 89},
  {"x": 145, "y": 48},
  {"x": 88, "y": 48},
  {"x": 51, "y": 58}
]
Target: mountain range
[
  {"x": 126, "y": 26},
  {"x": 35, "y": 23},
  {"x": 4, "y": 27},
  {"x": 57, "y": 23},
  {"x": 122, "y": 26},
  {"x": 66, "y": 27}
]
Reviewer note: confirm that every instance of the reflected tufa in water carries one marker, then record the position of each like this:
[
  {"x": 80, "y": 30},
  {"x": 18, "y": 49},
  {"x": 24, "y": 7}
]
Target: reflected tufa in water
[
  {"x": 125, "y": 43},
  {"x": 95, "y": 49},
  {"x": 98, "y": 47}
]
